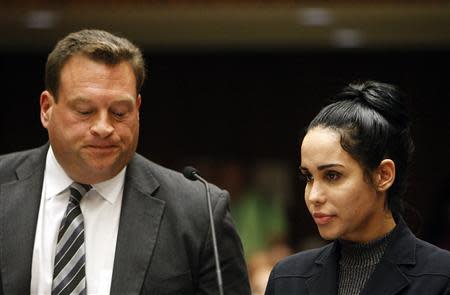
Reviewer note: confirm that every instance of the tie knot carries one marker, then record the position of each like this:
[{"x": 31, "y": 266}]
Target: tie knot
[{"x": 78, "y": 190}]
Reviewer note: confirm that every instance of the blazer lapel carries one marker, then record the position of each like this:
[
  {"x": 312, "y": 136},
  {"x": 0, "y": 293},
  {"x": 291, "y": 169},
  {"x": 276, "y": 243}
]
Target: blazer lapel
[
  {"x": 388, "y": 277},
  {"x": 19, "y": 205},
  {"x": 325, "y": 280},
  {"x": 138, "y": 229}
]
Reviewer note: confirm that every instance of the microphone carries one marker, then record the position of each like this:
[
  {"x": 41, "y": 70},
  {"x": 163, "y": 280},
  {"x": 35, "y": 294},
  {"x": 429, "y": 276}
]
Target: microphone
[{"x": 192, "y": 174}]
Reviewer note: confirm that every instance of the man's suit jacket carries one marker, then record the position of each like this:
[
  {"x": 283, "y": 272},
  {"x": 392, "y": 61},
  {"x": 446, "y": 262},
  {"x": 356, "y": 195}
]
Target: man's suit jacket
[
  {"x": 409, "y": 266},
  {"x": 164, "y": 240}
]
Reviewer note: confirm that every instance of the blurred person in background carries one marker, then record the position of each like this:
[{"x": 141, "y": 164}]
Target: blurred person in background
[
  {"x": 86, "y": 214},
  {"x": 259, "y": 191},
  {"x": 261, "y": 263},
  {"x": 355, "y": 159},
  {"x": 258, "y": 206}
]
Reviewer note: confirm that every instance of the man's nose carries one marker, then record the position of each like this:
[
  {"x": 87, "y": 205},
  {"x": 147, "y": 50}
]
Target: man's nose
[{"x": 102, "y": 126}]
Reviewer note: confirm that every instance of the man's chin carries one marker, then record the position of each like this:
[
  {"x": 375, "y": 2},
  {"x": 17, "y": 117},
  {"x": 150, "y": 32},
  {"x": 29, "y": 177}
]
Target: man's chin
[{"x": 103, "y": 169}]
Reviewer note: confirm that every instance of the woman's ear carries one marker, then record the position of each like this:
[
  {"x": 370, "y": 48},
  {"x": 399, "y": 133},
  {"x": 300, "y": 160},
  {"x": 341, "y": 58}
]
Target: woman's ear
[{"x": 385, "y": 175}]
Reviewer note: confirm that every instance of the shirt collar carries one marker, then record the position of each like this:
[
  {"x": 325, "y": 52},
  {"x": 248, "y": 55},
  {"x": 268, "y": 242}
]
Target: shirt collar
[
  {"x": 58, "y": 181},
  {"x": 111, "y": 189}
]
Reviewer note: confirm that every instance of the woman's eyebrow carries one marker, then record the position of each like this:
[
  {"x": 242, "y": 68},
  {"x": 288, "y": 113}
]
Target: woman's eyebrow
[
  {"x": 322, "y": 167},
  {"x": 326, "y": 166}
]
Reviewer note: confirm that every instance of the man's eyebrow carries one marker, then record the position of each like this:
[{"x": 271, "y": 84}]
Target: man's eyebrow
[
  {"x": 79, "y": 98},
  {"x": 125, "y": 100}
]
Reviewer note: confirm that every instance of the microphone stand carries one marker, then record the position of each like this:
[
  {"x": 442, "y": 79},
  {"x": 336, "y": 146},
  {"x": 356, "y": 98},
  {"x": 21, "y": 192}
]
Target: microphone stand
[
  {"x": 213, "y": 233},
  {"x": 194, "y": 175}
]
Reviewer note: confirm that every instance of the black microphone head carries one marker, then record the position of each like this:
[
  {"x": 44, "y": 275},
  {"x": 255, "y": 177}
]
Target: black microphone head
[{"x": 190, "y": 172}]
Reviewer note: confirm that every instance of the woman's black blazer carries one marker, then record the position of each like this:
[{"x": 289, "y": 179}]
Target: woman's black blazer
[{"x": 409, "y": 266}]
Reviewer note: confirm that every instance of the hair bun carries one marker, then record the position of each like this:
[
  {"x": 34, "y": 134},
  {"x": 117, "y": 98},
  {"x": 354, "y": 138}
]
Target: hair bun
[{"x": 386, "y": 99}]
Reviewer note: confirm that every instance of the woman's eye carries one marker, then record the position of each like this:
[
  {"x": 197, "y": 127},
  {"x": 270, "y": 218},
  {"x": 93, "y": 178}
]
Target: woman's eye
[
  {"x": 332, "y": 176},
  {"x": 306, "y": 177}
]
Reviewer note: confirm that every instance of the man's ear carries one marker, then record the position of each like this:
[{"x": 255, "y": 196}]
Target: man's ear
[
  {"x": 138, "y": 105},
  {"x": 138, "y": 101},
  {"x": 385, "y": 175},
  {"x": 46, "y": 101}
]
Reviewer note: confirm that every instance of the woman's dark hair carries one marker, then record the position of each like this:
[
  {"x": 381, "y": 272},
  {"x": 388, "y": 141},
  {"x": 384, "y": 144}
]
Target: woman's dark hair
[{"x": 374, "y": 124}]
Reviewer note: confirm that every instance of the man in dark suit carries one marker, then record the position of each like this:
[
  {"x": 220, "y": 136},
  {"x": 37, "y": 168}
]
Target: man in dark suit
[{"x": 85, "y": 214}]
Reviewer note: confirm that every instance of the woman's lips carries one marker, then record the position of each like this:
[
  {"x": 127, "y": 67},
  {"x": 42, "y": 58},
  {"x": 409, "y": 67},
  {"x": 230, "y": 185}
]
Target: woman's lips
[{"x": 322, "y": 218}]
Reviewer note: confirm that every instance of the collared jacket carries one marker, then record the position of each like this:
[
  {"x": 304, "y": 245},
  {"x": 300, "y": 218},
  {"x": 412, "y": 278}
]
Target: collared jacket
[
  {"x": 408, "y": 266},
  {"x": 163, "y": 242}
]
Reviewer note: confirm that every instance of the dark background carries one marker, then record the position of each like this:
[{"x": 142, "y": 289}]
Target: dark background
[{"x": 252, "y": 104}]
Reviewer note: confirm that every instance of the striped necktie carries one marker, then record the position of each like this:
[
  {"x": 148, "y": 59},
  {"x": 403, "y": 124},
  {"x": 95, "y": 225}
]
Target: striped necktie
[{"x": 69, "y": 267}]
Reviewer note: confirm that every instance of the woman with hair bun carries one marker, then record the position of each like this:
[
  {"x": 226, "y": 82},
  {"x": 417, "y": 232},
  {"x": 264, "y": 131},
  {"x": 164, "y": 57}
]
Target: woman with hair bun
[{"x": 355, "y": 159}]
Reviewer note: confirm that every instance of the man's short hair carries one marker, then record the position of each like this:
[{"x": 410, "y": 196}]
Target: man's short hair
[{"x": 97, "y": 45}]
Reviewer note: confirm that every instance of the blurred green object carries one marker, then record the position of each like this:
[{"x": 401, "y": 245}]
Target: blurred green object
[{"x": 260, "y": 221}]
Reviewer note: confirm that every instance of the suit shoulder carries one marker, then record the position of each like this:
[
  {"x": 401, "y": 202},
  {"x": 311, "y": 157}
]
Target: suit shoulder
[
  {"x": 300, "y": 264},
  {"x": 184, "y": 199},
  {"x": 15, "y": 158},
  {"x": 10, "y": 162},
  {"x": 174, "y": 185},
  {"x": 432, "y": 259}
]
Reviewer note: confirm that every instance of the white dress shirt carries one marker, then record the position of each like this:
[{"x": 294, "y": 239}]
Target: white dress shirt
[{"x": 101, "y": 211}]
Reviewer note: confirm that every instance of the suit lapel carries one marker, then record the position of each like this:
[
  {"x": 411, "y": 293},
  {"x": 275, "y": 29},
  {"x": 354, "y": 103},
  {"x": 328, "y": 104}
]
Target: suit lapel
[
  {"x": 138, "y": 229},
  {"x": 388, "y": 277},
  {"x": 19, "y": 205},
  {"x": 325, "y": 280}
]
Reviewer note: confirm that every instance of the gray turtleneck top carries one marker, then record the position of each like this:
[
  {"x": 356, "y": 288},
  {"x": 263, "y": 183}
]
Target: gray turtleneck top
[{"x": 357, "y": 263}]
